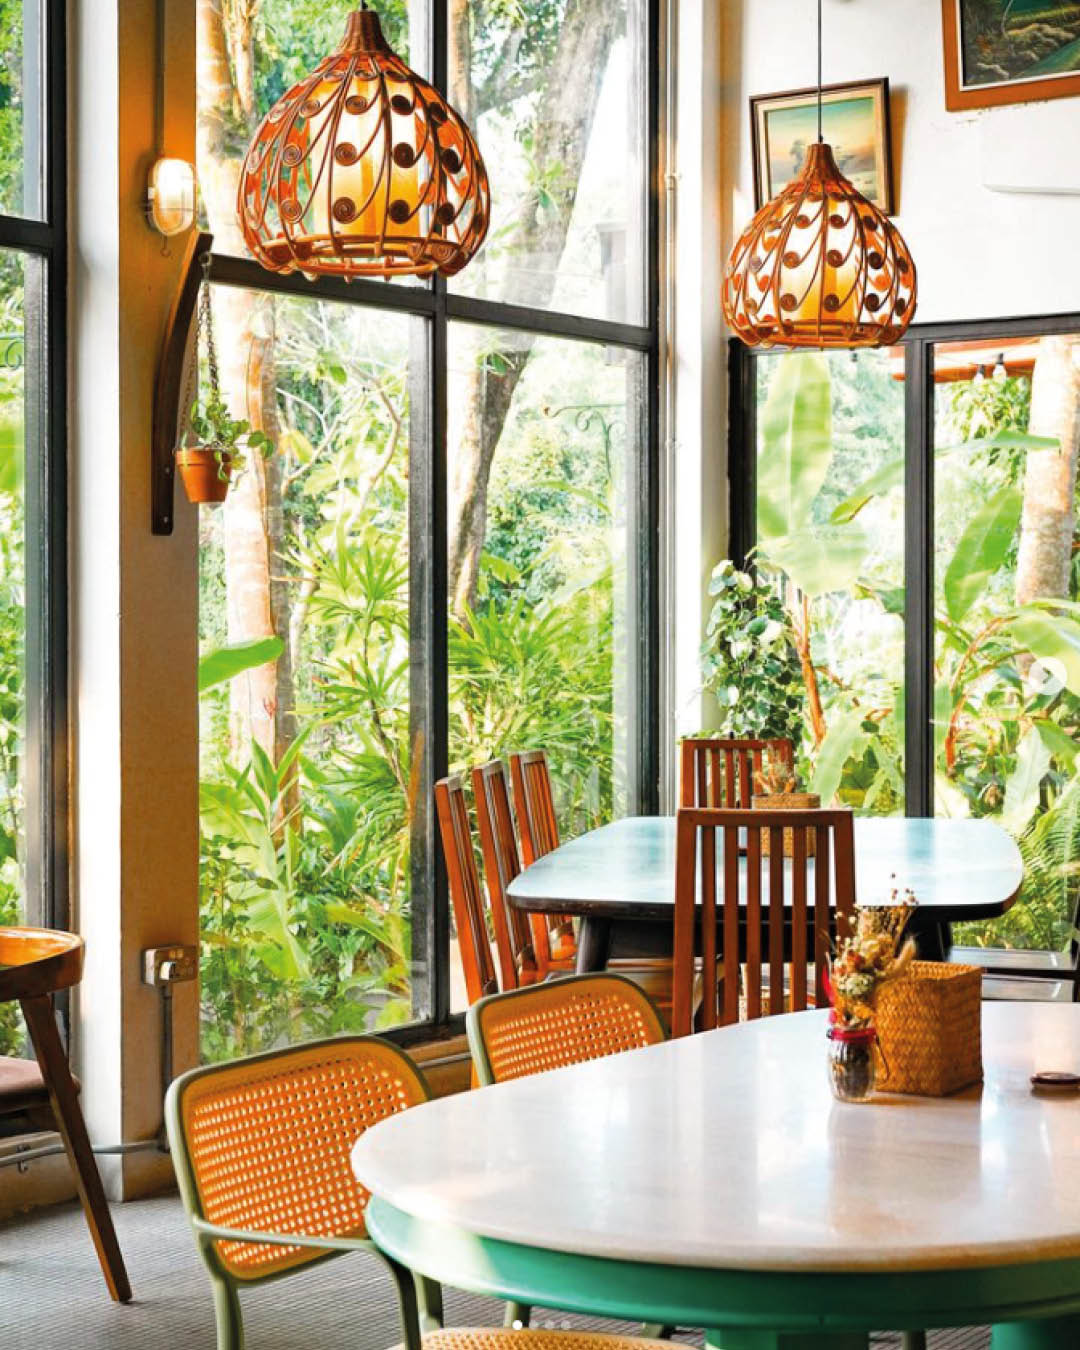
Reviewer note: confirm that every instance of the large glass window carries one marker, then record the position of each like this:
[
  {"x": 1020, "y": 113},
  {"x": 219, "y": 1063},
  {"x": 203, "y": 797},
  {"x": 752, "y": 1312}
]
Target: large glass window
[
  {"x": 559, "y": 106},
  {"x": 932, "y": 491},
  {"x": 447, "y": 552},
  {"x": 1007, "y": 635},
  {"x": 33, "y": 622},
  {"x": 830, "y": 521},
  {"x": 306, "y": 759},
  {"x": 22, "y": 108}
]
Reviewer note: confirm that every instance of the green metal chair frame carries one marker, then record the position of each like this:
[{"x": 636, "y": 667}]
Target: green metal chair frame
[{"x": 426, "y": 1297}]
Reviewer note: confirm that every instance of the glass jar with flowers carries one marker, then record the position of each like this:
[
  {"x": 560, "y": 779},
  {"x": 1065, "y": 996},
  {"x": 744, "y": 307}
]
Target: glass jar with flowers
[{"x": 873, "y": 951}]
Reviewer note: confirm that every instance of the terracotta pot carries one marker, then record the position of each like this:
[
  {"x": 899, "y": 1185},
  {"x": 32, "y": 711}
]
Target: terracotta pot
[{"x": 205, "y": 473}]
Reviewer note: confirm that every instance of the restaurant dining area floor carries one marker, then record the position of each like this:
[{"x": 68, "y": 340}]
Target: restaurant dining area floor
[{"x": 343, "y": 1305}]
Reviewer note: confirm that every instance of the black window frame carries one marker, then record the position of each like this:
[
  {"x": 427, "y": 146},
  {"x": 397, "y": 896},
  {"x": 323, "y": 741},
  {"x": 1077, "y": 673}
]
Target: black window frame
[
  {"x": 440, "y": 307},
  {"x": 45, "y": 329},
  {"x": 919, "y": 344}
]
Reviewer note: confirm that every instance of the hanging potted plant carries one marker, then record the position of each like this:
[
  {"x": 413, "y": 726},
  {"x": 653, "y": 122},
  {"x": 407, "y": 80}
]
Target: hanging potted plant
[{"x": 215, "y": 443}]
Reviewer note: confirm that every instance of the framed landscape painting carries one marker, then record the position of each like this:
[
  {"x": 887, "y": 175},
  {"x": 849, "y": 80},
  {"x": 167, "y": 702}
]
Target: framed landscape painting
[
  {"x": 855, "y": 122},
  {"x": 1010, "y": 51}
]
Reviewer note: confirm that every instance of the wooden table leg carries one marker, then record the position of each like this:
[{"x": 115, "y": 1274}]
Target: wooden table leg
[
  {"x": 593, "y": 944},
  {"x": 69, "y": 1120}
]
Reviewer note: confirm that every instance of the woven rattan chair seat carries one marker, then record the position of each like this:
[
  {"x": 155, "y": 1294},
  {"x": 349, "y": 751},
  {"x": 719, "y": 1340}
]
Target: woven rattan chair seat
[{"x": 499, "y": 1338}]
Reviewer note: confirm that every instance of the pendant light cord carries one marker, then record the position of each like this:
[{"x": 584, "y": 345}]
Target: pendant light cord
[{"x": 819, "y": 135}]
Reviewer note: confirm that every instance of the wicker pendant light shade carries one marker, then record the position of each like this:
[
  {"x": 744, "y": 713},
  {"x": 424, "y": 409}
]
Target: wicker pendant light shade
[
  {"x": 820, "y": 266},
  {"x": 363, "y": 169}
]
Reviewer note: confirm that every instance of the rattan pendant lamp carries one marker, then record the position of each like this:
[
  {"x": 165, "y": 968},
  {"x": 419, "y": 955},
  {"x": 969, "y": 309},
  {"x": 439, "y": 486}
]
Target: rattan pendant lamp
[
  {"x": 819, "y": 265},
  {"x": 363, "y": 169}
]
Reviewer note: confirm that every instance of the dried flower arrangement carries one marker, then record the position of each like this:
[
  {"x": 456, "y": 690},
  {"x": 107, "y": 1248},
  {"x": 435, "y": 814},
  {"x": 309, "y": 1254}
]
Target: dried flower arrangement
[
  {"x": 875, "y": 951},
  {"x": 776, "y": 778}
]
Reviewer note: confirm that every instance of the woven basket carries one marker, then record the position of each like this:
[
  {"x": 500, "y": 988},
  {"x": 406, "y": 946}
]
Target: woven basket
[
  {"x": 929, "y": 1024},
  {"x": 787, "y": 801}
]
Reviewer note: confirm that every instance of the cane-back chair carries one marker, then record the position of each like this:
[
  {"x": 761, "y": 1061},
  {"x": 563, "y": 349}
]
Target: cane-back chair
[
  {"x": 560, "y": 1022},
  {"x": 518, "y": 962},
  {"x": 772, "y": 920},
  {"x": 534, "y": 802},
  {"x": 261, "y": 1148},
  {"x": 36, "y": 963},
  {"x": 555, "y": 1024},
  {"x": 721, "y": 773}
]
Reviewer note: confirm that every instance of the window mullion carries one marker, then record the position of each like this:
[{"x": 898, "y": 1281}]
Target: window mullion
[{"x": 918, "y": 577}]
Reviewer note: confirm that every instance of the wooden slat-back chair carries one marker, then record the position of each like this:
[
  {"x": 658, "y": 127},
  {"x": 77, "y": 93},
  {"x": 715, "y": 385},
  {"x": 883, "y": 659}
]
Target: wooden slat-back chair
[
  {"x": 534, "y": 802},
  {"x": 721, "y": 773},
  {"x": 767, "y": 918},
  {"x": 466, "y": 892},
  {"x": 498, "y": 846}
]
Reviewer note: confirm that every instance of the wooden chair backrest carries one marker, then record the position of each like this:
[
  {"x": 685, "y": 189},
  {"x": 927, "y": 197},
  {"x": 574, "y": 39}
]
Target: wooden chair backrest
[
  {"x": 466, "y": 892},
  {"x": 767, "y": 917},
  {"x": 534, "y": 803},
  {"x": 498, "y": 846},
  {"x": 720, "y": 773}
]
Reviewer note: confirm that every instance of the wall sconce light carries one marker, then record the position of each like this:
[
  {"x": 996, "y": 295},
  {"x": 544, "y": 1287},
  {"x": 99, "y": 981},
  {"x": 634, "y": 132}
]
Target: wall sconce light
[{"x": 170, "y": 196}]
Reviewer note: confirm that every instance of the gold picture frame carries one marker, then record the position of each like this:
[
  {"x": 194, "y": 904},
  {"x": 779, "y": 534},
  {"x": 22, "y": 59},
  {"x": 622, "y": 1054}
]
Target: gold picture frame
[
  {"x": 855, "y": 122},
  {"x": 990, "y": 58}
]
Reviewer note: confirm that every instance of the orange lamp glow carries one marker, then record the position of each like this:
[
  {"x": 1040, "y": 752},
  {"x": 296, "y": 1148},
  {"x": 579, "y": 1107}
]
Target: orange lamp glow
[
  {"x": 820, "y": 266},
  {"x": 363, "y": 169}
]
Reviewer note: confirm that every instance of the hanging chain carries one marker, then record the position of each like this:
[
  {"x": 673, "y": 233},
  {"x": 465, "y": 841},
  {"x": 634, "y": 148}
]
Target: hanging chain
[
  {"x": 819, "y": 135},
  {"x": 208, "y": 329},
  {"x": 204, "y": 328}
]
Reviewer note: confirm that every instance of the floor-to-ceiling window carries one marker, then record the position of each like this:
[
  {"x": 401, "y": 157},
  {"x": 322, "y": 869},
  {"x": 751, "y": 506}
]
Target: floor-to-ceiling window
[
  {"x": 453, "y": 542},
  {"x": 917, "y": 510},
  {"x": 33, "y": 625}
]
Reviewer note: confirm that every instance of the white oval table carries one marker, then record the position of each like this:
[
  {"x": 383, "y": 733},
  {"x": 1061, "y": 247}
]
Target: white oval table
[{"x": 714, "y": 1182}]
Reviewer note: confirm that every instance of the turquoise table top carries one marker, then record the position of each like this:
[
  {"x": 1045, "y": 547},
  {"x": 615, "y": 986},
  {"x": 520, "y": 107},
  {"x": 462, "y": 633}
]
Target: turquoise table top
[{"x": 957, "y": 869}]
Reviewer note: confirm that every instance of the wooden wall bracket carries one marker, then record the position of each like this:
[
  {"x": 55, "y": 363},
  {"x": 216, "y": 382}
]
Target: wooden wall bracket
[{"x": 169, "y": 416}]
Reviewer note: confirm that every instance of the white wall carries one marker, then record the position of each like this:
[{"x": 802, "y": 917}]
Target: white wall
[{"x": 980, "y": 253}]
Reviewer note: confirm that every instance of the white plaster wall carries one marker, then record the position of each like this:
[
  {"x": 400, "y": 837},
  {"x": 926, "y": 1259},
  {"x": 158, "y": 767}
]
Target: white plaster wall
[
  {"x": 133, "y": 594},
  {"x": 980, "y": 253}
]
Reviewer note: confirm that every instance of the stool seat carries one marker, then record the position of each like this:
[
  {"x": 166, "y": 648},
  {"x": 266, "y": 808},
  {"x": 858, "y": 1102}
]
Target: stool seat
[{"x": 22, "y": 1088}]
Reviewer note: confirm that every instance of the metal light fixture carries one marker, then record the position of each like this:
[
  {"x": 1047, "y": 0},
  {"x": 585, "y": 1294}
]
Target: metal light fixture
[
  {"x": 170, "y": 196},
  {"x": 819, "y": 265},
  {"x": 363, "y": 169}
]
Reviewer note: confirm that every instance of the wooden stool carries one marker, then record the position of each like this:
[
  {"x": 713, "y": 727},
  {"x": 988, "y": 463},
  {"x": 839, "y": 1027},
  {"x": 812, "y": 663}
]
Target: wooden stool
[{"x": 34, "y": 964}]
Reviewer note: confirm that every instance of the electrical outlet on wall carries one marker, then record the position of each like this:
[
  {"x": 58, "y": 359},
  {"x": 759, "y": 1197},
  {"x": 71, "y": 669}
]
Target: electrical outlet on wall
[{"x": 170, "y": 965}]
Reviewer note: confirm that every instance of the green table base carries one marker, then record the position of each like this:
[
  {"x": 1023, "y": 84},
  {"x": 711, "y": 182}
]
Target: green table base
[{"x": 748, "y": 1310}]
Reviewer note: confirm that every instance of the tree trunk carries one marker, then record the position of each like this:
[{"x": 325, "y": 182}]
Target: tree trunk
[
  {"x": 564, "y": 119},
  {"x": 1048, "y": 522},
  {"x": 257, "y": 597}
]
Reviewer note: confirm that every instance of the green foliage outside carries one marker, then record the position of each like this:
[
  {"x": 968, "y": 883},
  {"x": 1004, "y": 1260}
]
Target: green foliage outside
[
  {"x": 748, "y": 659},
  {"x": 306, "y": 891},
  {"x": 1007, "y": 675},
  {"x": 12, "y": 619}
]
